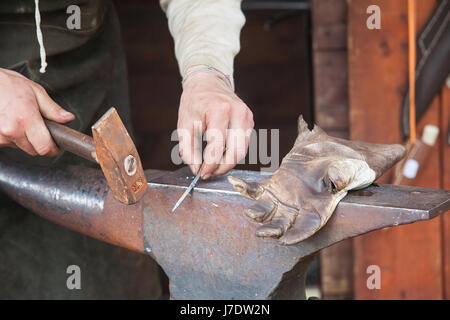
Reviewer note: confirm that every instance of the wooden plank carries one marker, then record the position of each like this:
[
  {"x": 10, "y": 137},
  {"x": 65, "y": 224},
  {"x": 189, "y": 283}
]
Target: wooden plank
[
  {"x": 330, "y": 37},
  {"x": 330, "y": 64},
  {"x": 331, "y": 89},
  {"x": 409, "y": 257},
  {"x": 329, "y": 12},
  {"x": 336, "y": 264},
  {"x": 329, "y": 24},
  {"x": 445, "y": 154}
]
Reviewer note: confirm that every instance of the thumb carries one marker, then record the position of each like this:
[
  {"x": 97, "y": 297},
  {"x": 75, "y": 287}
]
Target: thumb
[{"x": 49, "y": 108}]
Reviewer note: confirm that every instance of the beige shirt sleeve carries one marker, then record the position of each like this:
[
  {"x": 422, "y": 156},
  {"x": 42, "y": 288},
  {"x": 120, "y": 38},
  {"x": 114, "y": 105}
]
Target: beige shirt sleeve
[{"x": 205, "y": 32}]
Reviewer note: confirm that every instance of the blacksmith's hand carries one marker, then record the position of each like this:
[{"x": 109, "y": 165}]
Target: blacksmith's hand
[
  {"x": 23, "y": 103},
  {"x": 210, "y": 108}
]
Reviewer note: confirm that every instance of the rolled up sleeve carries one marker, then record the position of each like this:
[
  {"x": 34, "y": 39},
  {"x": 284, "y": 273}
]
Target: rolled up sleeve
[{"x": 205, "y": 32}]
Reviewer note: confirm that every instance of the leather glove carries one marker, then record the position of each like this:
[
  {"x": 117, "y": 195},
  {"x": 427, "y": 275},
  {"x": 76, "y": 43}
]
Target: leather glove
[{"x": 313, "y": 177}]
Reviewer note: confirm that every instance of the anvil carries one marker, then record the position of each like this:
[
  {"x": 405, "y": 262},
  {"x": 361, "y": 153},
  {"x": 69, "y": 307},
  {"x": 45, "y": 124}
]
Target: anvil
[{"x": 208, "y": 247}]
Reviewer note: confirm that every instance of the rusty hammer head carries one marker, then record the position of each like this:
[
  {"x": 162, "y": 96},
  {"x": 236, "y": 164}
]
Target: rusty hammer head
[{"x": 119, "y": 159}]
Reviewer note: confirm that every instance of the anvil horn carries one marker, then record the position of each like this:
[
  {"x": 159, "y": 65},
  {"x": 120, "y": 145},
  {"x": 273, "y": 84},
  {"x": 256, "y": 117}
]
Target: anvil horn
[{"x": 207, "y": 248}]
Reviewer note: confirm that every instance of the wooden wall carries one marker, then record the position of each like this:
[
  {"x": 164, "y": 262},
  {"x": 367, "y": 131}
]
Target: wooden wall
[
  {"x": 445, "y": 183},
  {"x": 414, "y": 259},
  {"x": 331, "y": 110}
]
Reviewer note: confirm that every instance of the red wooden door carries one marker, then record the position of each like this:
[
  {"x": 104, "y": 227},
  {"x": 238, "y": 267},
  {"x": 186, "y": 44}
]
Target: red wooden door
[{"x": 414, "y": 258}]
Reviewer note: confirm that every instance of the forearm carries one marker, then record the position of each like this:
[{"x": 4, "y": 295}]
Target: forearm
[{"x": 205, "y": 32}]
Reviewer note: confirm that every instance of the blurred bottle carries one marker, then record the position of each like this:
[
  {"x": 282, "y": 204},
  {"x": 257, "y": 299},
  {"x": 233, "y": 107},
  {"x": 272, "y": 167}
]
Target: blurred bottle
[{"x": 416, "y": 157}]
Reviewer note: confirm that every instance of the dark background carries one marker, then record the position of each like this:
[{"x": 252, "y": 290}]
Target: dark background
[{"x": 272, "y": 75}]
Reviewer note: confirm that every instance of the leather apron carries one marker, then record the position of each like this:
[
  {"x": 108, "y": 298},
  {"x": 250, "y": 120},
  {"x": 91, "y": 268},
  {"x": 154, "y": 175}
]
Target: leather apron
[{"x": 86, "y": 74}]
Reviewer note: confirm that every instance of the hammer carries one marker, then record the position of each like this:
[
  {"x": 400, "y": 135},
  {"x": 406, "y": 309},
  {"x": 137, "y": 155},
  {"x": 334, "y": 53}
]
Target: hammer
[{"x": 112, "y": 147}]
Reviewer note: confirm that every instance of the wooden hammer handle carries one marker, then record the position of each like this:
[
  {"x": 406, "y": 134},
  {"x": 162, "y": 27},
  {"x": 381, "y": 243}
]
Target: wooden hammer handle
[{"x": 71, "y": 140}]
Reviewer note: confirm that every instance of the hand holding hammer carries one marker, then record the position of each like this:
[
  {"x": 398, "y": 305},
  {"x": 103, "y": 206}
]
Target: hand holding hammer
[{"x": 112, "y": 147}]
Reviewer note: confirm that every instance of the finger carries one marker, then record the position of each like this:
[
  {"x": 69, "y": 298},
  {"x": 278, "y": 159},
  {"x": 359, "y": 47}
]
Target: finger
[
  {"x": 13, "y": 133},
  {"x": 49, "y": 108},
  {"x": 215, "y": 145},
  {"x": 190, "y": 145},
  {"x": 260, "y": 211},
  {"x": 23, "y": 143},
  {"x": 250, "y": 190},
  {"x": 282, "y": 221},
  {"x": 306, "y": 224},
  {"x": 14, "y": 73},
  {"x": 4, "y": 142},
  {"x": 236, "y": 148},
  {"x": 272, "y": 229},
  {"x": 40, "y": 138}
]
